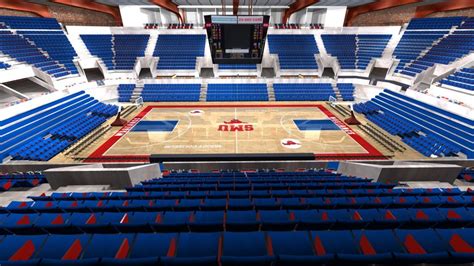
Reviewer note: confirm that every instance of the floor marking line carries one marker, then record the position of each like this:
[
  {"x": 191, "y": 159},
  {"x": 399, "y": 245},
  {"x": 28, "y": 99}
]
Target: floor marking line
[{"x": 236, "y": 140}]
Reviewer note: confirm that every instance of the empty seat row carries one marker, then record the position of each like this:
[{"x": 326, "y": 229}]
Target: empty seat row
[
  {"x": 303, "y": 91},
  {"x": 276, "y": 193},
  {"x": 20, "y": 180},
  {"x": 467, "y": 175},
  {"x": 237, "y": 92},
  {"x": 171, "y": 92},
  {"x": 152, "y": 204},
  {"x": 234, "y": 220},
  {"x": 462, "y": 79},
  {"x": 237, "y": 66},
  {"x": 17, "y": 22},
  {"x": 259, "y": 186},
  {"x": 435, "y": 23},
  {"x": 238, "y": 248}
]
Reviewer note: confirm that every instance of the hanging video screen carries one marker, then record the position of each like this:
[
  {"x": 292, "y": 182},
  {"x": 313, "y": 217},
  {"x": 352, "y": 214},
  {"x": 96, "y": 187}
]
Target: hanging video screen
[{"x": 237, "y": 39}]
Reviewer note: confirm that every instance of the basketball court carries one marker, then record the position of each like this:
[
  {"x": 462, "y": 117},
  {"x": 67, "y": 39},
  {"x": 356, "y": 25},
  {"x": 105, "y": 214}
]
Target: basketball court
[{"x": 235, "y": 129}]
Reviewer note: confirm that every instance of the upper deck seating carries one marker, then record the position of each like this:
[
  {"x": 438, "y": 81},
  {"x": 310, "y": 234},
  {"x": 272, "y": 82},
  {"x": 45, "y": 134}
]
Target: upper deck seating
[
  {"x": 412, "y": 44},
  {"x": 14, "y": 22},
  {"x": 117, "y": 51},
  {"x": 428, "y": 41},
  {"x": 449, "y": 49},
  {"x": 39, "y": 42},
  {"x": 434, "y": 23},
  {"x": 295, "y": 51},
  {"x": 179, "y": 52},
  {"x": 40, "y": 52},
  {"x": 355, "y": 51},
  {"x": 467, "y": 24},
  {"x": 57, "y": 45}
]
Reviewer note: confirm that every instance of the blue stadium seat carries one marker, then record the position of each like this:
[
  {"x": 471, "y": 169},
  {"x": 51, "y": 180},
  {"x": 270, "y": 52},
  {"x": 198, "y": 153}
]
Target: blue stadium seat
[
  {"x": 207, "y": 221},
  {"x": 249, "y": 248},
  {"x": 295, "y": 248},
  {"x": 195, "y": 249},
  {"x": 422, "y": 246},
  {"x": 148, "y": 249},
  {"x": 277, "y": 220},
  {"x": 111, "y": 246},
  {"x": 460, "y": 244},
  {"x": 64, "y": 249},
  {"x": 16, "y": 248},
  {"x": 242, "y": 220}
]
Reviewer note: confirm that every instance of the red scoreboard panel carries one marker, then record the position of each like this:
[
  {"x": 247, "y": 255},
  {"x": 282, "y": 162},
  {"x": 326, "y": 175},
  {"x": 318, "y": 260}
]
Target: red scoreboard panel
[{"x": 237, "y": 39}]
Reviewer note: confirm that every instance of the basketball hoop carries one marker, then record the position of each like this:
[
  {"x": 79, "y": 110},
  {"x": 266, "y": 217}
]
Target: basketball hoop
[{"x": 139, "y": 101}]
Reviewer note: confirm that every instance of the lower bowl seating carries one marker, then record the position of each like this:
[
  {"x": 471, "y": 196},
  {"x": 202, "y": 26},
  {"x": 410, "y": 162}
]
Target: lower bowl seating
[{"x": 261, "y": 218}]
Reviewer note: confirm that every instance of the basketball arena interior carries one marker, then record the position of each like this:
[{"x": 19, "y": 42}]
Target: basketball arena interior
[{"x": 236, "y": 132}]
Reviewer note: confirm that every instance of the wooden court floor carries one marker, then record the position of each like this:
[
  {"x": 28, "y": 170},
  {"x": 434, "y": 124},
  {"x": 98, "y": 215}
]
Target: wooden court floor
[
  {"x": 235, "y": 128},
  {"x": 203, "y": 128}
]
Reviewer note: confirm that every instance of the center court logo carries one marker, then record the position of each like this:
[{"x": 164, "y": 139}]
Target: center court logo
[{"x": 235, "y": 125}]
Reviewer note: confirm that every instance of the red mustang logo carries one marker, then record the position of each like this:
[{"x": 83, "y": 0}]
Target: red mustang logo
[
  {"x": 289, "y": 143},
  {"x": 196, "y": 112},
  {"x": 234, "y": 121},
  {"x": 235, "y": 125}
]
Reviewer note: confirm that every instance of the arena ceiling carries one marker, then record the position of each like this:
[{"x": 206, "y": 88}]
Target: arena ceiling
[
  {"x": 349, "y": 3},
  {"x": 355, "y": 7}
]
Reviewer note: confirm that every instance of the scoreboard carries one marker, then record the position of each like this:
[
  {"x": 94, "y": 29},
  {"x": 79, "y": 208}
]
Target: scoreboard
[{"x": 237, "y": 39}]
